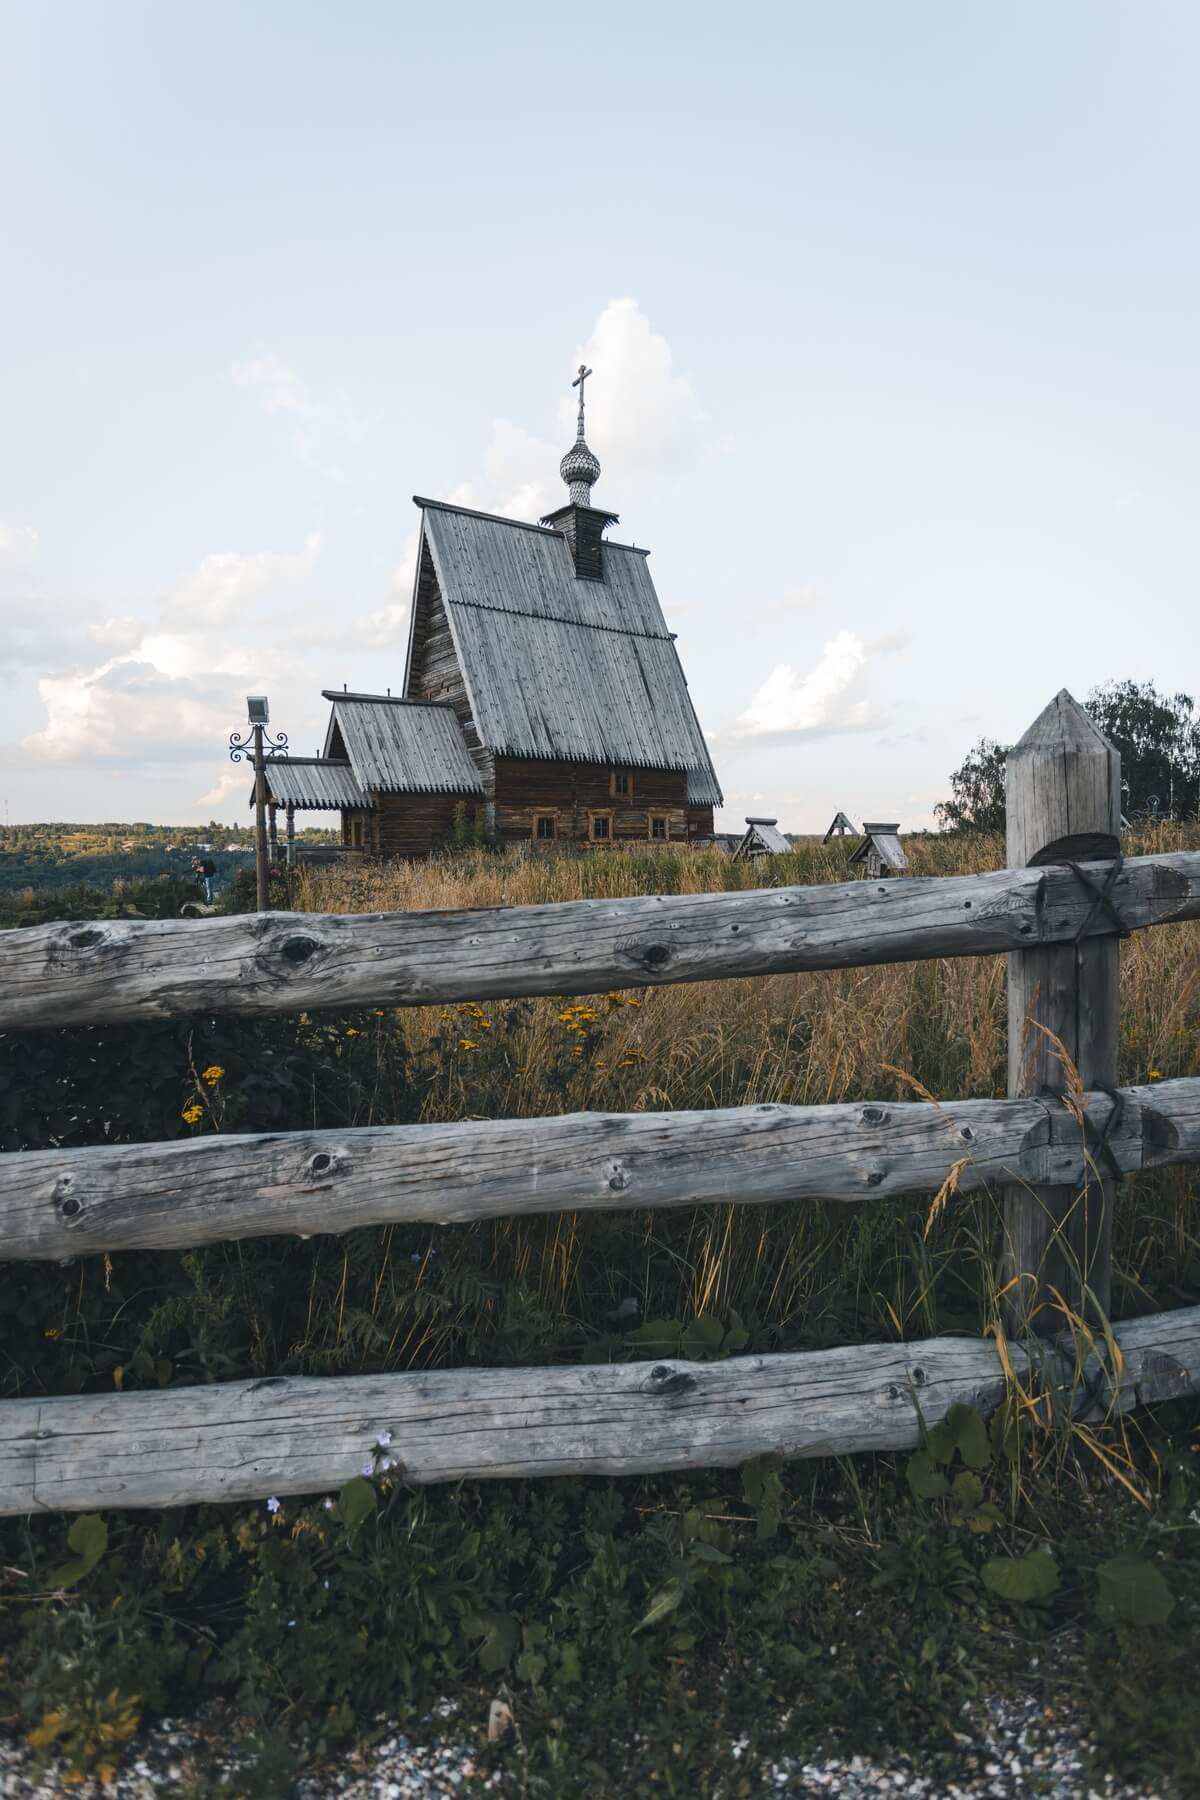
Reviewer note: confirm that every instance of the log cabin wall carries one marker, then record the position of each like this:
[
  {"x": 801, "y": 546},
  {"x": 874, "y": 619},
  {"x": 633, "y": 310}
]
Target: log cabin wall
[
  {"x": 700, "y": 821},
  {"x": 418, "y": 824},
  {"x": 575, "y": 791}
]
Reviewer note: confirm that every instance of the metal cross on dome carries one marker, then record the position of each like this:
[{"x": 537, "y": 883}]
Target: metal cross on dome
[{"x": 578, "y": 382}]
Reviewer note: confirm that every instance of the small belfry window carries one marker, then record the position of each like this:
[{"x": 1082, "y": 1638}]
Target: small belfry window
[
  {"x": 658, "y": 829},
  {"x": 545, "y": 827},
  {"x": 622, "y": 784},
  {"x": 601, "y": 827}
]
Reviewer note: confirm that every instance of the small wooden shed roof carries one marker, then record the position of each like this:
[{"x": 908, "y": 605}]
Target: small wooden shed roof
[
  {"x": 400, "y": 746},
  {"x": 842, "y": 826},
  {"x": 312, "y": 784},
  {"x": 885, "y": 841},
  {"x": 762, "y": 838}
]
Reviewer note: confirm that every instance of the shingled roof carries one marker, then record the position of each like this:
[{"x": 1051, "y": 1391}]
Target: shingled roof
[
  {"x": 584, "y": 671},
  {"x": 400, "y": 746},
  {"x": 312, "y": 783}
]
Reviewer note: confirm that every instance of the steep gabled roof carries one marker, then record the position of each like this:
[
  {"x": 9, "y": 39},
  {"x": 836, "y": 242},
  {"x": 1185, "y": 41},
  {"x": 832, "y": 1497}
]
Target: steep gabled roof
[
  {"x": 401, "y": 746},
  {"x": 584, "y": 671}
]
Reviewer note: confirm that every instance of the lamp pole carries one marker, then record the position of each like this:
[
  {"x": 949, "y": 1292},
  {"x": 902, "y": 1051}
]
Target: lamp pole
[
  {"x": 260, "y": 746},
  {"x": 262, "y": 884}
]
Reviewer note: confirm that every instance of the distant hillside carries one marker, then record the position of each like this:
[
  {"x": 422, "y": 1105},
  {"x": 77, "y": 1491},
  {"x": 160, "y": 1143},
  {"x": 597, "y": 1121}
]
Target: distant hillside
[{"x": 54, "y": 855}]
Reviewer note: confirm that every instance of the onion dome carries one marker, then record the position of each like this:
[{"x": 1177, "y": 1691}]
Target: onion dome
[{"x": 579, "y": 469}]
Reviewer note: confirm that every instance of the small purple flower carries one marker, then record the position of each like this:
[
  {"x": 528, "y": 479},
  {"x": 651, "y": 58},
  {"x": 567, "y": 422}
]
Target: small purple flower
[
  {"x": 272, "y": 1505},
  {"x": 385, "y": 1465},
  {"x": 328, "y": 1503},
  {"x": 368, "y": 1469},
  {"x": 384, "y": 1439}
]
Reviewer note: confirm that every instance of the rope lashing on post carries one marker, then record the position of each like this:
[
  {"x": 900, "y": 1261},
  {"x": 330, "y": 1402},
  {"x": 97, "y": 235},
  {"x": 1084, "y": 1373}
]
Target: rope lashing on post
[
  {"x": 1097, "y": 1140},
  {"x": 1101, "y": 893}
]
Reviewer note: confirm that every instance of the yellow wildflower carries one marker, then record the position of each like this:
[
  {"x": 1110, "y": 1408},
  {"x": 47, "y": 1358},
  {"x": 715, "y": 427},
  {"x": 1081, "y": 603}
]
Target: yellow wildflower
[
  {"x": 467, "y": 1044},
  {"x": 1156, "y": 1074},
  {"x": 192, "y": 1115},
  {"x": 52, "y": 1331},
  {"x": 353, "y": 1031},
  {"x": 212, "y": 1074}
]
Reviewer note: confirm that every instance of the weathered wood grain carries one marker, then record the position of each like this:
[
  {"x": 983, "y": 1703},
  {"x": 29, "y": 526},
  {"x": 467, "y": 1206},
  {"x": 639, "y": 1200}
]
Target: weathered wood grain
[
  {"x": 60, "y": 1203},
  {"x": 244, "y": 1440},
  {"x": 1062, "y": 797},
  {"x": 74, "y": 974}
]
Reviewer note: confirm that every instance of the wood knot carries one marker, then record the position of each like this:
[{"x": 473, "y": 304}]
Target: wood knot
[
  {"x": 84, "y": 940},
  {"x": 327, "y": 1162},
  {"x": 70, "y": 1207},
  {"x": 655, "y": 955},
  {"x": 874, "y": 1178},
  {"x": 874, "y": 1115},
  {"x": 298, "y": 949},
  {"x": 620, "y": 1179},
  {"x": 668, "y": 1382}
]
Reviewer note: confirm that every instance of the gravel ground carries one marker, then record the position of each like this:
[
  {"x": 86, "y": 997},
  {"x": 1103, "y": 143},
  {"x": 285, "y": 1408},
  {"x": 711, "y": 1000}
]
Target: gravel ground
[{"x": 1016, "y": 1750}]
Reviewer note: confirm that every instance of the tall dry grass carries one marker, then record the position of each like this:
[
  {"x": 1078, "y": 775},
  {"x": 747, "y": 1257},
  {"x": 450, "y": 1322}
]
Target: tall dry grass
[{"x": 797, "y": 1038}]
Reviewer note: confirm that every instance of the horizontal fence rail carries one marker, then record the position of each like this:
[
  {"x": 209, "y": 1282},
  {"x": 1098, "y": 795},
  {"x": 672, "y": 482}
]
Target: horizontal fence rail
[
  {"x": 260, "y": 963},
  {"x": 61, "y": 1203},
  {"x": 283, "y": 1435}
]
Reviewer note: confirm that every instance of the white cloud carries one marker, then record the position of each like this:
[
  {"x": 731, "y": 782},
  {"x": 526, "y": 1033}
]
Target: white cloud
[
  {"x": 322, "y": 429},
  {"x": 388, "y": 627},
  {"x": 128, "y": 709},
  {"x": 173, "y": 683},
  {"x": 643, "y": 420},
  {"x": 226, "y": 580},
  {"x": 828, "y": 699},
  {"x": 18, "y": 542}
]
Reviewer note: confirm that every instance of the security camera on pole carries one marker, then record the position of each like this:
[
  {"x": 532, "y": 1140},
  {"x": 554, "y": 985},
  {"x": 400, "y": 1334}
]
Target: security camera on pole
[{"x": 259, "y": 745}]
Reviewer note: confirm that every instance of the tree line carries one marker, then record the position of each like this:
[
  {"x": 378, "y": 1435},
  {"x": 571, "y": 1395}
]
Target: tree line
[{"x": 1157, "y": 734}]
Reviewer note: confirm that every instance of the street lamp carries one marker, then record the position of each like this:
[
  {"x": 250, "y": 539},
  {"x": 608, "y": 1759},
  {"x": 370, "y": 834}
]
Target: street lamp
[{"x": 258, "y": 745}]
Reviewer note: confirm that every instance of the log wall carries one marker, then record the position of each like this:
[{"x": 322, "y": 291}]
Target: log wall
[{"x": 574, "y": 791}]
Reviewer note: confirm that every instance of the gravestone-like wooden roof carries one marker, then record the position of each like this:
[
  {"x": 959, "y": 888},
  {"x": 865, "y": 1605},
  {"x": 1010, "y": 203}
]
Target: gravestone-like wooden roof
[
  {"x": 400, "y": 746},
  {"x": 761, "y": 837},
  {"x": 556, "y": 667},
  {"x": 885, "y": 840}
]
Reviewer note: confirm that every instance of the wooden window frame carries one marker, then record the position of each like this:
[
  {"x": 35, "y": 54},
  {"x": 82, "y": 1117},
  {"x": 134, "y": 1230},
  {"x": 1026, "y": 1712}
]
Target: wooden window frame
[
  {"x": 600, "y": 813},
  {"x": 536, "y": 835},
  {"x": 616, "y": 775},
  {"x": 665, "y": 838}
]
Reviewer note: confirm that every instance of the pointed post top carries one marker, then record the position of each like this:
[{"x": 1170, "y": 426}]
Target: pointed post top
[
  {"x": 1062, "y": 795},
  {"x": 1063, "y": 725}
]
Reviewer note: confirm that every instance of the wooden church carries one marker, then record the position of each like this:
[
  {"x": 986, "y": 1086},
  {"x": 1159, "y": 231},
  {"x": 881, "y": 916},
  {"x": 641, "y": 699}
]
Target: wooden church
[{"x": 543, "y": 697}]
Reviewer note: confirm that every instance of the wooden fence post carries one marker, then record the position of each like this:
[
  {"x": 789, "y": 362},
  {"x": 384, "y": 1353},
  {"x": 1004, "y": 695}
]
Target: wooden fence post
[{"x": 1063, "y": 803}]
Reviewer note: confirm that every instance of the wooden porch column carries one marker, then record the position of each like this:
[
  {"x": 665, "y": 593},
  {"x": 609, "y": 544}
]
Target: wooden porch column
[
  {"x": 273, "y": 830},
  {"x": 1063, "y": 803},
  {"x": 291, "y": 833}
]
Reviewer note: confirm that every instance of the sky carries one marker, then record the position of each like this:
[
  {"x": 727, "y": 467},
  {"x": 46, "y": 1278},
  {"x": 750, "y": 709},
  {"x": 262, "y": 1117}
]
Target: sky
[{"x": 891, "y": 311}]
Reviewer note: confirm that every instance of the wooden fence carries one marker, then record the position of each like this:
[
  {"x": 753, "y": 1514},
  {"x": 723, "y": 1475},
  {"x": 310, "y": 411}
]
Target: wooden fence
[{"x": 1056, "y": 1145}]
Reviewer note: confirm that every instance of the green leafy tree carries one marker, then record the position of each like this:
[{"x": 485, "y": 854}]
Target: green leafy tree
[
  {"x": 1158, "y": 736},
  {"x": 977, "y": 791}
]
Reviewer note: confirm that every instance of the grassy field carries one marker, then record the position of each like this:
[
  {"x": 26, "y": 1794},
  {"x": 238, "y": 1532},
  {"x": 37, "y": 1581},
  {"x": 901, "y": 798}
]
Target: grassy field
[{"x": 640, "y": 1628}]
